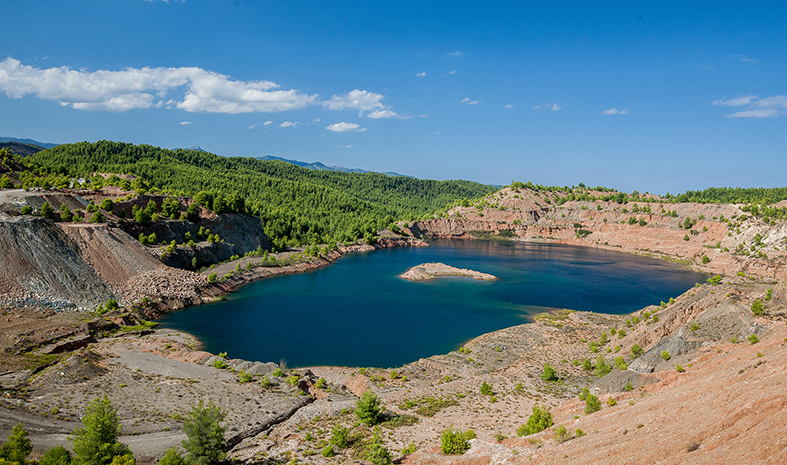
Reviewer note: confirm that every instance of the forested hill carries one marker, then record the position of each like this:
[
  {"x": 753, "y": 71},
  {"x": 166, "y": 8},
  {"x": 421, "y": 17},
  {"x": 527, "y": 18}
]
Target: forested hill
[{"x": 296, "y": 204}]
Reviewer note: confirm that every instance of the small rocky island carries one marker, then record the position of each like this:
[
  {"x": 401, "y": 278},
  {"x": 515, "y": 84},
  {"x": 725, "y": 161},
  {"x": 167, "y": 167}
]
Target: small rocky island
[{"x": 427, "y": 271}]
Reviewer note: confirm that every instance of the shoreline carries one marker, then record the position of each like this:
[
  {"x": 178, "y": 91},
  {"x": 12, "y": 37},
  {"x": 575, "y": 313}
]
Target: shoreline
[{"x": 247, "y": 277}]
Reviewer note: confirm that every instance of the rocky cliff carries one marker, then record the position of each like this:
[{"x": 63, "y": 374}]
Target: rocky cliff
[
  {"x": 731, "y": 240},
  {"x": 81, "y": 265}
]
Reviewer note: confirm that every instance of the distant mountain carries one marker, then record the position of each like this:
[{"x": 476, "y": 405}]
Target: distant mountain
[
  {"x": 322, "y": 167},
  {"x": 196, "y": 148},
  {"x": 18, "y": 148},
  {"x": 28, "y": 142}
]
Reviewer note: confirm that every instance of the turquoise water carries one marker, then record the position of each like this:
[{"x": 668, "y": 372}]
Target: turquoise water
[{"x": 357, "y": 312}]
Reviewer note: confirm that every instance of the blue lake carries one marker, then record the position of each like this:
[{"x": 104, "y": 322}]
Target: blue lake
[{"x": 357, "y": 312}]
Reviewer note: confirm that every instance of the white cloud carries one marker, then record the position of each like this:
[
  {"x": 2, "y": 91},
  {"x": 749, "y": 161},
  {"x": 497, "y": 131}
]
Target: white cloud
[
  {"x": 742, "y": 58},
  {"x": 267, "y": 123},
  {"x": 345, "y": 146},
  {"x": 765, "y": 113},
  {"x": 736, "y": 101},
  {"x": 131, "y": 88},
  {"x": 253, "y": 126},
  {"x": 315, "y": 120},
  {"x": 614, "y": 111},
  {"x": 768, "y": 107},
  {"x": 424, "y": 116},
  {"x": 455, "y": 54},
  {"x": 451, "y": 72},
  {"x": 289, "y": 124},
  {"x": 184, "y": 123},
  {"x": 510, "y": 106},
  {"x": 345, "y": 127},
  {"x": 421, "y": 74},
  {"x": 378, "y": 114},
  {"x": 548, "y": 106},
  {"x": 467, "y": 101},
  {"x": 356, "y": 100}
]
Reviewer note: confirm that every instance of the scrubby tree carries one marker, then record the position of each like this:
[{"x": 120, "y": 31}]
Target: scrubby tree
[
  {"x": 171, "y": 457},
  {"x": 454, "y": 442},
  {"x": 757, "y": 308},
  {"x": 549, "y": 374},
  {"x": 17, "y": 447},
  {"x": 367, "y": 409},
  {"x": 636, "y": 350},
  {"x": 170, "y": 207},
  {"x": 47, "y": 211},
  {"x": 204, "y": 434},
  {"x": 376, "y": 452},
  {"x": 6, "y": 183},
  {"x": 539, "y": 420},
  {"x": 95, "y": 443},
  {"x": 57, "y": 455},
  {"x": 592, "y": 404}
]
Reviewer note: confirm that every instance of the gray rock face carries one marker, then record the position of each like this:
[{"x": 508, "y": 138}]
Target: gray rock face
[
  {"x": 41, "y": 266},
  {"x": 682, "y": 342},
  {"x": 617, "y": 380}
]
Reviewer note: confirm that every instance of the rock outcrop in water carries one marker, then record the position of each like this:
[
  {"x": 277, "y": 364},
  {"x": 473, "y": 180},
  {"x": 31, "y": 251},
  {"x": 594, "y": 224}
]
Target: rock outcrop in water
[{"x": 426, "y": 271}]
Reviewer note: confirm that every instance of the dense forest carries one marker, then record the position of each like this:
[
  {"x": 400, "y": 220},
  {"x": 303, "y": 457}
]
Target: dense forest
[{"x": 297, "y": 205}]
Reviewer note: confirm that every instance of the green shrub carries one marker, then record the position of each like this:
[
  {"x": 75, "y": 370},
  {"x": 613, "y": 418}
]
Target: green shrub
[
  {"x": 220, "y": 364},
  {"x": 602, "y": 368},
  {"x": 47, "y": 211},
  {"x": 96, "y": 441},
  {"x": 583, "y": 395},
  {"x": 592, "y": 404},
  {"x": 629, "y": 387},
  {"x": 339, "y": 437},
  {"x": 634, "y": 320},
  {"x": 376, "y": 452},
  {"x": 172, "y": 457},
  {"x": 367, "y": 409},
  {"x": 59, "y": 455},
  {"x": 714, "y": 280},
  {"x": 278, "y": 372},
  {"x": 562, "y": 434},
  {"x": 679, "y": 368},
  {"x": 26, "y": 210},
  {"x": 611, "y": 401},
  {"x": 244, "y": 377},
  {"x": 18, "y": 447},
  {"x": 486, "y": 389},
  {"x": 328, "y": 451},
  {"x": 587, "y": 365},
  {"x": 757, "y": 308},
  {"x": 665, "y": 355},
  {"x": 636, "y": 350},
  {"x": 539, "y": 420},
  {"x": 753, "y": 339},
  {"x": 705, "y": 259},
  {"x": 549, "y": 374},
  {"x": 768, "y": 293},
  {"x": 409, "y": 449},
  {"x": 621, "y": 333},
  {"x": 204, "y": 434},
  {"x": 212, "y": 278},
  {"x": 579, "y": 433},
  {"x": 453, "y": 442},
  {"x": 620, "y": 363},
  {"x": 693, "y": 327}
]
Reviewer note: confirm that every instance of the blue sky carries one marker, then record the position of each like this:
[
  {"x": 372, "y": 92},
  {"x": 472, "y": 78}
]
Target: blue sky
[{"x": 653, "y": 96}]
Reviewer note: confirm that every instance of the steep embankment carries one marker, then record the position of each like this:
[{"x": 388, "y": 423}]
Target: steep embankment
[
  {"x": 81, "y": 264},
  {"x": 732, "y": 240},
  {"x": 40, "y": 265}
]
